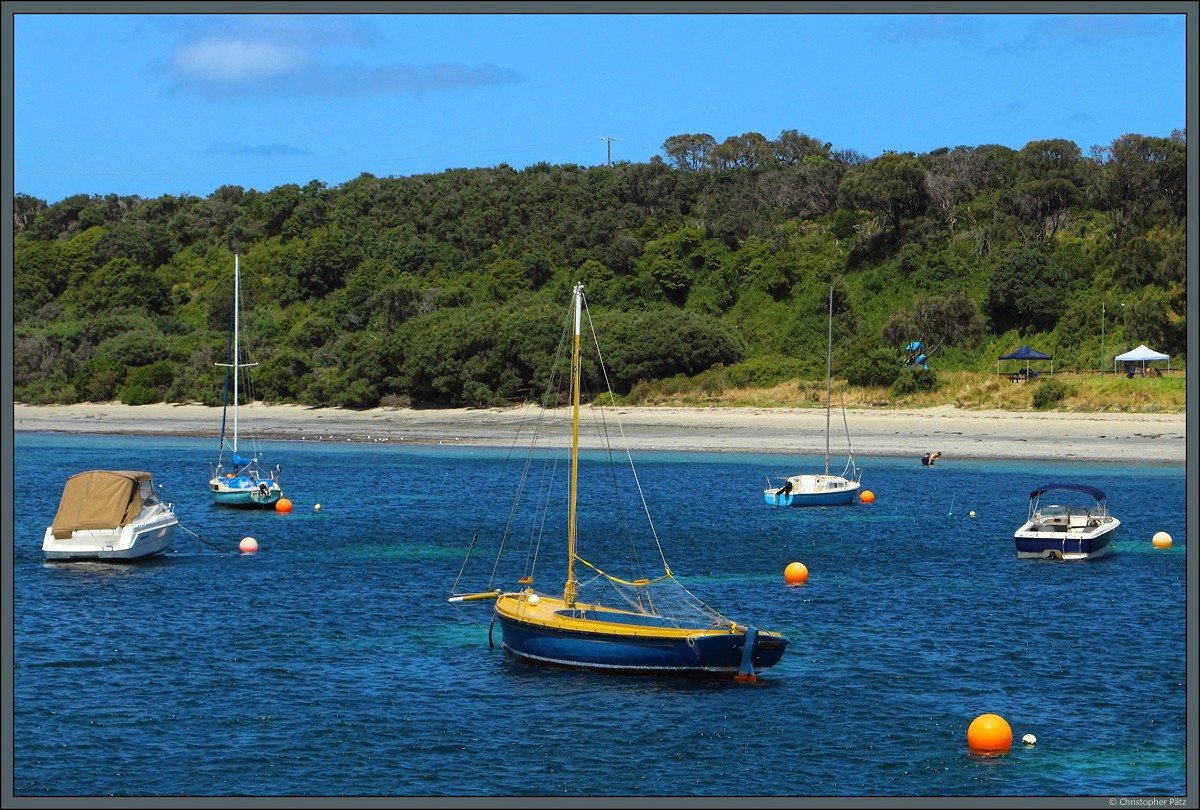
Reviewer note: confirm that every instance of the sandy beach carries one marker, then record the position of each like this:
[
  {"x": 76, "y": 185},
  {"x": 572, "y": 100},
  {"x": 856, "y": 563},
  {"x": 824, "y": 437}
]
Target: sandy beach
[{"x": 956, "y": 433}]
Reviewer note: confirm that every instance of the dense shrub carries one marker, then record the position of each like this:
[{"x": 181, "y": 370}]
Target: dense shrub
[
  {"x": 765, "y": 372},
  {"x": 882, "y": 367},
  {"x": 1049, "y": 393},
  {"x": 139, "y": 395},
  {"x": 913, "y": 381}
]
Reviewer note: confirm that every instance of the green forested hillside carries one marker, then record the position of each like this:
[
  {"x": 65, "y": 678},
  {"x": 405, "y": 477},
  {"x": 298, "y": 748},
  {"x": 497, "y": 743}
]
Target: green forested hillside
[{"x": 448, "y": 288}]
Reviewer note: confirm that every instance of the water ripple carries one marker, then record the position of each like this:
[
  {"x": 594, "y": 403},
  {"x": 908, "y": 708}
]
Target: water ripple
[{"x": 329, "y": 663}]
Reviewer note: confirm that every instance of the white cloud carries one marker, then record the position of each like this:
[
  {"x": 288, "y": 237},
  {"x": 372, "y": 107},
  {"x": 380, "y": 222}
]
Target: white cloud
[
  {"x": 265, "y": 57},
  {"x": 235, "y": 60},
  {"x": 1093, "y": 29}
]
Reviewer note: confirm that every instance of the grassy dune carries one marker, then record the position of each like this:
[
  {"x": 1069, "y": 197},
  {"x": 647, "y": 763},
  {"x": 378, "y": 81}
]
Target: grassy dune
[{"x": 1085, "y": 393}]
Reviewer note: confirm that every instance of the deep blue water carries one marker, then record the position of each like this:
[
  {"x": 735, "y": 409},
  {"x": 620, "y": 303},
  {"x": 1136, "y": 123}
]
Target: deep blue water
[{"x": 330, "y": 664}]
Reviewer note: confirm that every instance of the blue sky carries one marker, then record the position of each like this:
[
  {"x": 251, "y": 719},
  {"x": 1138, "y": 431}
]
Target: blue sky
[{"x": 153, "y": 104}]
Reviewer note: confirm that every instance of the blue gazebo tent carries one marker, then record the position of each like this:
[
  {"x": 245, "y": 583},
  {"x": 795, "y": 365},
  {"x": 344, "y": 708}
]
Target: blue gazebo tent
[
  {"x": 1025, "y": 353},
  {"x": 1140, "y": 355}
]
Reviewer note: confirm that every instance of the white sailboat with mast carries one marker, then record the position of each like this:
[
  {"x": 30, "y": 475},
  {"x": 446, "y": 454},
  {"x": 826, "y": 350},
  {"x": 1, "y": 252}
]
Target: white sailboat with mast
[
  {"x": 239, "y": 480},
  {"x": 820, "y": 489}
]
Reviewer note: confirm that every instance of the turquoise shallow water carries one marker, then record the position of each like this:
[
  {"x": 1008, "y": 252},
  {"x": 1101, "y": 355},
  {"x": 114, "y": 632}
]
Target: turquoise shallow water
[{"x": 330, "y": 664}]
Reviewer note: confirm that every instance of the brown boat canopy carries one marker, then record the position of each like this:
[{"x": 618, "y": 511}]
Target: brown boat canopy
[{"x": 100, "y": 499}]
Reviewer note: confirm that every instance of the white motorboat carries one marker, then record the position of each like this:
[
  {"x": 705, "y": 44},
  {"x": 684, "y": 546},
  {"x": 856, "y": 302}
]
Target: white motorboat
[
  {"x": 1063, "y": 526},
  {"x": 109, "y": 515}
]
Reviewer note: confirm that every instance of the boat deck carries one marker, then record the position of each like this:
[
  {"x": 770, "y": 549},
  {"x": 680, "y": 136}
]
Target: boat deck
[
  {"x": 552, "y": 612},
  {"x": 1071, "y": 524}
]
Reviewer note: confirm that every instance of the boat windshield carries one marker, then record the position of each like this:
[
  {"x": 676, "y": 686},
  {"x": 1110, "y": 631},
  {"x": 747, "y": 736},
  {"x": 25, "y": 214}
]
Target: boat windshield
[
  {"x": 1052, "y": 510},
  {"x": 147, "y": 494}
]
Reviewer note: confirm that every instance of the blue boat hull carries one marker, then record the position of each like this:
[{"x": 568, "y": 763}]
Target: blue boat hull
[
  {"x": 243, "y": 499},
  {"x": 706, "y": 656},
  {"x": 1062, "y": 546},
  {"x": 244, "y": 492}
]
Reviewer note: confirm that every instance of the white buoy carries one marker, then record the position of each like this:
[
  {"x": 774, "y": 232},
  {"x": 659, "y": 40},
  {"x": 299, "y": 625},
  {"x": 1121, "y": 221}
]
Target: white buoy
[
  {"x": 971, "y": 513},
  {"x": 1029, "y": 739},
  {"x": 1161, "y": 540},
  {"x": 248, "y": 545},
  {"x": 316, "y": 507}
]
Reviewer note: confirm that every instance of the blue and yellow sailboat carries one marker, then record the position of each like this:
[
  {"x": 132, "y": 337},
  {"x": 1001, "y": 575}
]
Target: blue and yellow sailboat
[{"x": 602, "y": 622}]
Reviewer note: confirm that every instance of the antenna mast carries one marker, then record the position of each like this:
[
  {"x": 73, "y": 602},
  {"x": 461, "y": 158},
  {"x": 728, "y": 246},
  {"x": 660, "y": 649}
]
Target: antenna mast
[{"x": 609, "y": 139}]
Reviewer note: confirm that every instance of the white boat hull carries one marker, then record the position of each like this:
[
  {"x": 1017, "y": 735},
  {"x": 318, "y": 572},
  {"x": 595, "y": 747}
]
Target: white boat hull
[
  {"x": 813, "y": 490},
  {"x": 135, "y": 541}
]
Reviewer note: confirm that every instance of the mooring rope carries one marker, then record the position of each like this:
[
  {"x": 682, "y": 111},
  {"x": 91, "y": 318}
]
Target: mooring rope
[{"x": 198, "y": 537}]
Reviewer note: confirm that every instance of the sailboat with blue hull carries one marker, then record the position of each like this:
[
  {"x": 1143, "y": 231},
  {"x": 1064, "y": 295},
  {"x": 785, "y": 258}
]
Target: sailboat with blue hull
[
  {"x": 634, "y": 621},
  {"x": 237, "y": 479}
]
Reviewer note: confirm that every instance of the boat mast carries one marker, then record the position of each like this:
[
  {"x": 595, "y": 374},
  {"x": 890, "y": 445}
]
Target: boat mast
[
  {"x": 569, "y": 590},
  {"x": 236, "y": 369},
  {"x": 828, "y": 374}
]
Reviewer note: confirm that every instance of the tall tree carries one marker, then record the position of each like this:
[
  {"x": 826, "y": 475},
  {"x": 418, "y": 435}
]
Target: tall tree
[
  {"x": 1048, "y": 160},
  {"x": 690, "y": 152},
  {"x": 1025, "y": 292},
  {"x": 1142, "y": 170},
  {"x": 1046, "y": 202},
  {"x": 25, "y": 210},
  {"x": 1049, "y": 171},
  {"x": 750, "y": 151},
  {"x": 792, "y": 147},
  {"x": 933, "y": 322},
  {"x": 892, "y": 184}
]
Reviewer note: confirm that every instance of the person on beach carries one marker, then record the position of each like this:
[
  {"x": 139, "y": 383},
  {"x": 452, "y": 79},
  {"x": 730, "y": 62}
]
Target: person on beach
[{"x": 928, "y": 459}]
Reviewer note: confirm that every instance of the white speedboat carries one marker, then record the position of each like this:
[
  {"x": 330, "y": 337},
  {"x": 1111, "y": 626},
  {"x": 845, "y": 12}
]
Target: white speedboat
[
  {"x": 109, "y": 515},
  {"x": 1063, "y": 525}
]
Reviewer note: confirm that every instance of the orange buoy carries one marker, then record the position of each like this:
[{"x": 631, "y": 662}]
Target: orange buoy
[
  {"x": 989, "y": 732},
  {"x": 795, "y": 573},
  {"x": 283, "y": 505},
  {"x": 248, "y": 545},
  {"x": 867, "y": 496},
  {"x": 1161, "y": 540}
]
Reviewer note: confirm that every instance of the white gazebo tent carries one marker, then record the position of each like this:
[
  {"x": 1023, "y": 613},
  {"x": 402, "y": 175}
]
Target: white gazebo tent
[{"x": 1140, "y": 355}]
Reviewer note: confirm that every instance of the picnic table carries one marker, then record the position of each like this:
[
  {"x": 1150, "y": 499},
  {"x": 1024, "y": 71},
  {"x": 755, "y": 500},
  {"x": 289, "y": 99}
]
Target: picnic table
[{"x": 1019, "y": 376}]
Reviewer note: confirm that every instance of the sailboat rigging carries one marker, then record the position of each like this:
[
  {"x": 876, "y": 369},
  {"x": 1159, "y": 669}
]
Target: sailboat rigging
[
  {"x": 820, "y": 489},
  {"x": 239, "y": 480},
  {"x": 633, "y": 623}
]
